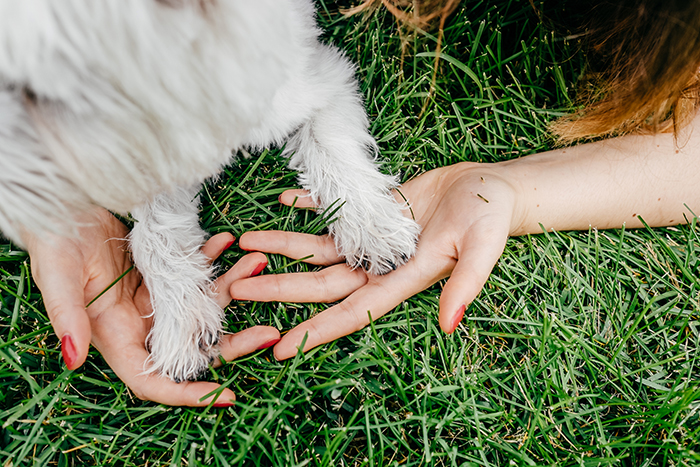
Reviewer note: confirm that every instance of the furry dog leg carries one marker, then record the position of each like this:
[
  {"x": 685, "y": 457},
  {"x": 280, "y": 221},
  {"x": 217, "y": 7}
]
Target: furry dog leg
[
  {"x": 334, "y": 153},
  {"x": 165, "y": 244}
]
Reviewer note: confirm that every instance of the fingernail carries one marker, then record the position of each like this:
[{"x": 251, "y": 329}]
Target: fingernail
[
  {"x": 70, "y": 355},
  {"x": 268, "y": 344},
  {"x": 228, "y": 245},
  {"x": 258, "y": 269},
  {"x": 458, "y": 317},
  {"x": 222, "y": 404}
]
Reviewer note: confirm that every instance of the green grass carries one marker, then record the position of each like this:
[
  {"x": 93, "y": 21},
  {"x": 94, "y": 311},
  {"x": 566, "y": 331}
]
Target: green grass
[{"x": 582, "y": 349}]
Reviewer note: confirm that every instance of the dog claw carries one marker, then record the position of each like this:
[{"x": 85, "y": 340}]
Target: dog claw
[
  {"x": 209, "y": 342},
  {"x": 388, "y": 264}
]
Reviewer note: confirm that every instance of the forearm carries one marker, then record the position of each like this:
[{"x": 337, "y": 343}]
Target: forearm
[{"x": 606, "y": 184}]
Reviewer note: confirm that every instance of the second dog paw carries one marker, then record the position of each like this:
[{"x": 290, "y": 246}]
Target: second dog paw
[{"x": 379, "y": 245}]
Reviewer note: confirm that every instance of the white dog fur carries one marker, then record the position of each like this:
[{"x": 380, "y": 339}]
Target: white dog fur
[{"x": 131, "y": 104}]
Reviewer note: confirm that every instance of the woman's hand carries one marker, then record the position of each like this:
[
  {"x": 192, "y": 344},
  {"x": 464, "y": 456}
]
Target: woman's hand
[
  {"x": 71, "y": 272},
  {"x": 465, "y": 212}
]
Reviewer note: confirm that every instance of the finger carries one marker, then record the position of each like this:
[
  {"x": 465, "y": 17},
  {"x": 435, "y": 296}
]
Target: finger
[
  {"x": 478, "y": 254},
  {"x": 64, "y": 299},
  {"x": 327, "y": 285},
  {"x": 320, "y": 249},
  {"x": 380, "y": 295},
  {"x": 126, "y": 356},
  {"x": 159, "y": 389},
  {"x": 297, "y": 198},
  {"x": 248, "y": 266},
  {"x": 217, "y": 245},
  {"x": 233, "y": 346}
]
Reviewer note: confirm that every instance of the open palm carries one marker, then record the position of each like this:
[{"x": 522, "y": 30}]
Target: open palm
[
  {"x": 71, "y": 273},
  {"x": 465, "y": 212}
]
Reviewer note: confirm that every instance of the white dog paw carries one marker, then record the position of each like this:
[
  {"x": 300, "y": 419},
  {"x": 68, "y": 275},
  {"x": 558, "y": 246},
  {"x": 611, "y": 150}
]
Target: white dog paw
[
  {"x": 383, "y": 242},
  {"x": 166, "y": 247},
  {"x": 183, "y": 341}
]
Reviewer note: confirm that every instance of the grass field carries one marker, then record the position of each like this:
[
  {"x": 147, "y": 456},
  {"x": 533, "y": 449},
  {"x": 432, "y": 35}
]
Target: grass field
[{"x": 582, "y": 349}]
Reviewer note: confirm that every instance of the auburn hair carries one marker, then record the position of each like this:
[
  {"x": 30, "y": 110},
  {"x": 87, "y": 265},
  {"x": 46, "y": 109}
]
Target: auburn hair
[
  {"x": 648, "y": 52},
  {"x": 644, "y": 63}
]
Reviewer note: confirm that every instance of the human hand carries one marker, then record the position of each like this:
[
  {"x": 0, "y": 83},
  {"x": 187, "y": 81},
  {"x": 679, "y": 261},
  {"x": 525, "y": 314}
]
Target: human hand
[
  {"x": 71, "y": 272},
  {"x": 466, "y": 212}
]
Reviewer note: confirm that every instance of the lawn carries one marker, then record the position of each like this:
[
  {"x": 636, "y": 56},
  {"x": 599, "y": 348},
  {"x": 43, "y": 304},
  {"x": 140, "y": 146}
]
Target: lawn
[{"x": 582, "y": 349}]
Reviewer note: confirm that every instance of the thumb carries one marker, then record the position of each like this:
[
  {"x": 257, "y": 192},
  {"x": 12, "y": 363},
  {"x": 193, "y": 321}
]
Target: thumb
[
  {"x": 65, "y": 304},
  {"x": 476, "y": 258}
]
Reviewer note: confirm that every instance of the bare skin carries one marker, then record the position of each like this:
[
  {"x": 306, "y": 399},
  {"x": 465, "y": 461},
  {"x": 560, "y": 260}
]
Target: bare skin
[
  {"x": 467, "y": 211},
  {"x": 71, "y": 272}
]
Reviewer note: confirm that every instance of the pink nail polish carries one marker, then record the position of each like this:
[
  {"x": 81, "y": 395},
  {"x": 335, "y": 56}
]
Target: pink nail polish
[
  {"x": 222, "y": 404},
  {"x": 458, "y": 317},
  {"x": 268, "y": 344},
  {"x": 258, "y": 269},
  {"x": 70, "y": 355}
]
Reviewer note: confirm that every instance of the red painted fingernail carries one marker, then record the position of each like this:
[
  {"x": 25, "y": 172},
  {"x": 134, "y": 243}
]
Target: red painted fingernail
[
  {"x": 458, "y": 317},
  {"x": 228, "y": 245},
  {"x": 70, "y": 355},
  {"x": 258, "y": 269},
  {"x": 222, "y": 404},
  {"x": 268, "y": 344}
]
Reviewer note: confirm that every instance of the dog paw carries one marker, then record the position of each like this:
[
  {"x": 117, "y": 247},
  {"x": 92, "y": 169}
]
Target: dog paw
[
  {"x": 184, "y": 339},
  {"x": 379, "y": 240}
]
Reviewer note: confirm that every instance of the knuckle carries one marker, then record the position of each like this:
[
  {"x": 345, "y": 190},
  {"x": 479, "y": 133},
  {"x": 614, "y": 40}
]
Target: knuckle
[
  {"x": 315, "y": 335},
  {"x": 55, "y": 308},
  {"x": 285, "y": 243},
  {"x": 321, "y": 280},
  {"x": 140, "y": 393},
  {"x": 353, "y": 318},
  {"x": 277, "y": 286}
]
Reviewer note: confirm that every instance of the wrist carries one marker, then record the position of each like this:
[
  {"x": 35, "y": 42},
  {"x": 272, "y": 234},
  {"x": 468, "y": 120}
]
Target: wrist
[
  {"x": 603, "y": 185},
  {"x": 511, "y": 174}
]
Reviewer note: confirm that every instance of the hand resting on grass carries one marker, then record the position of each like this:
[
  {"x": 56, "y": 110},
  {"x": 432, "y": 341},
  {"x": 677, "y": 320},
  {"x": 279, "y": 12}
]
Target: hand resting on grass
[
  {"x": 467, "y": 211},
  {"x": 71, "y": 272}
]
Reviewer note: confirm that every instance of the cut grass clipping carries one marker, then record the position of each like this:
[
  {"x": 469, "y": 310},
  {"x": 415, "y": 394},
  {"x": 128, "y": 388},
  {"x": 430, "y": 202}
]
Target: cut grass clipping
[{"x": 582, "y": 349}]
